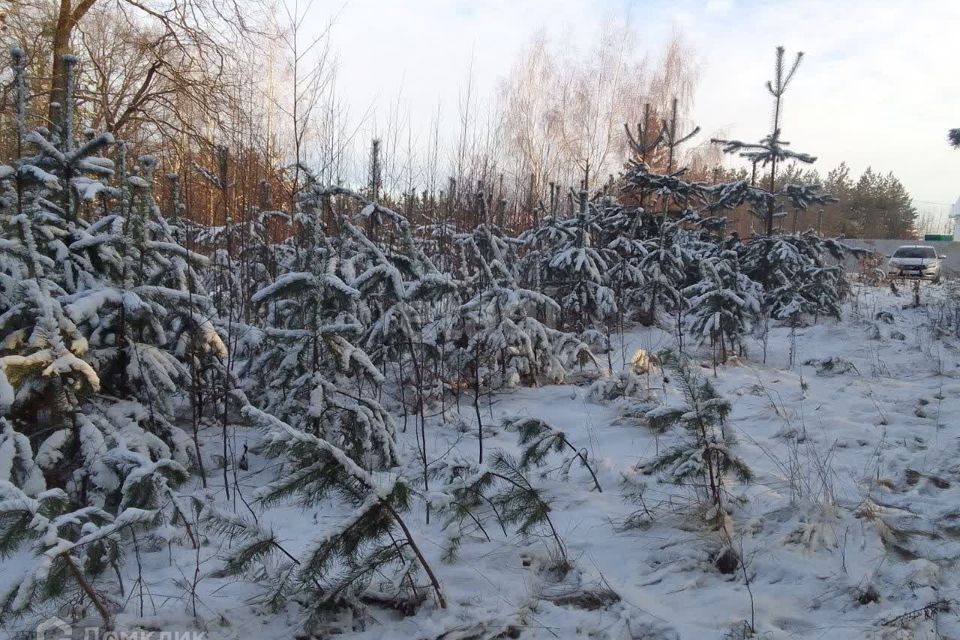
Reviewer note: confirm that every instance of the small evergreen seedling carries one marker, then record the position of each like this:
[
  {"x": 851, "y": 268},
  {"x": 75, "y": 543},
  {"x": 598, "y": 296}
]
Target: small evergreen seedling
[
  {"x": 337, "y": 569},
  {"x": 539, "y": 439},
  {"x": 574, "y": 269},
  {"x": 474, "y": 492},
  {"x": 507, "y": 341},
  {"x": 703, "y": 458},
  {"x": 722, "y": 304}
]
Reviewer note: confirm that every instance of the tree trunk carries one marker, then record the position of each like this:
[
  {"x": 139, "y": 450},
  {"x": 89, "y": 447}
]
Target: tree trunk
[
  {"x": 68, "y": 17},
  {"x": 60, "y": 47}
]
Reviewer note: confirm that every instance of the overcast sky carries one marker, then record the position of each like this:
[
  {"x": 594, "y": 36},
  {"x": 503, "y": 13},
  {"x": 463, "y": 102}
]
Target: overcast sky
[{"x": 878, "y": 86}]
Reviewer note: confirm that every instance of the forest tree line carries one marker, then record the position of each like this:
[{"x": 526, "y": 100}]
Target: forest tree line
[{"x": 871, "y": 205}]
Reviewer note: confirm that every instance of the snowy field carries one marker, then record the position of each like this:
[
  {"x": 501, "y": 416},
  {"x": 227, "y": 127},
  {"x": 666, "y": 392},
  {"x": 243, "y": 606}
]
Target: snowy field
[{"x": 849, "y": 529}]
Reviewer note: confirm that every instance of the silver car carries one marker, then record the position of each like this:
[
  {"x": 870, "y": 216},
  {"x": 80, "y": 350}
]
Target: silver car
[{"x": 915, "y": 262}]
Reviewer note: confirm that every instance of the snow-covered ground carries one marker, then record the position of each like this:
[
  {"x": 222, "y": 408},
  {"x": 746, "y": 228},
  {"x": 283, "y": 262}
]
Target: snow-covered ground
[{"x": 852, "y": 519}]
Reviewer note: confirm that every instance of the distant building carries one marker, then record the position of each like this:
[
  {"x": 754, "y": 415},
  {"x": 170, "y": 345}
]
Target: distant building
[{"x": 955, "y": 215}]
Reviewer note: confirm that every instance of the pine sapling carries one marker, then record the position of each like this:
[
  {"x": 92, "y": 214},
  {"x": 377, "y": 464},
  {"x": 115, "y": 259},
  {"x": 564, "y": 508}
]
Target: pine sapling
[
  {"x": 722, "y": 304},
  {"x": 338, "y": 567},
  {"x": 474, "y": 492},
  {"x": 703, "y": 457},
  {"x": 539, "y": 439},
  {"x": 74, "y": 547}
]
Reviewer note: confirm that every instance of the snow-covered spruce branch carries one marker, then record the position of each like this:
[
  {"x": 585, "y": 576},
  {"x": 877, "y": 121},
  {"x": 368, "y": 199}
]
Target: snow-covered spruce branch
[
  {"x": 953, "y": 137},
  {"x": 538, "y": 439},
  {"x": 373, "y": 538},
  {"x": 472, "y": 492},
  {"x": 74, "y": 547}
]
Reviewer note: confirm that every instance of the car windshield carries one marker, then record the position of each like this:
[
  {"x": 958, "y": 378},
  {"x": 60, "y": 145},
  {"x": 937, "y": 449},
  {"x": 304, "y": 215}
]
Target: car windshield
[{"x": 915, "y": 252}]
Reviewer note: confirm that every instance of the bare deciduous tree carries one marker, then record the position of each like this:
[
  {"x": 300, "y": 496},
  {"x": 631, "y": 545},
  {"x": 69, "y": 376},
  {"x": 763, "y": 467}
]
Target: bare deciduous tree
[
  {"x": 198, "y": 30},
  {"x": 563, "y": 114}
]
